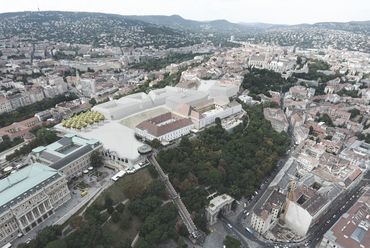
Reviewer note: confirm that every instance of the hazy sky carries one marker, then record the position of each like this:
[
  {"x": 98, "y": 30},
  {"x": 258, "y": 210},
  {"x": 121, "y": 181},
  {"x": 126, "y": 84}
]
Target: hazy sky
[{"x": 270, "y": 11}]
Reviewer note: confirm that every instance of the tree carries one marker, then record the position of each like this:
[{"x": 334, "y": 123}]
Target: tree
[
  {"x": 92, "y": 101},
  {"x": 299, "y": 60},
  {"x": 47, "y": 235},
  {"x": 354, "y": 112},
  {"x": 110, "y": 210},
  {"x": 96, "y": 159},
  {"x": 231, "y": 242},
  {"x": 142, "y": 243},
  {"x": 156, "y": 144},
  {"x": 181, "y": 243},
  {"x": 115, "y": 217},
  {"x": 311, "y": 131},
  {"x": 56, "y": 244},
  {"x": 218, "y": 121},
  {"x": 108, "y": 201},
  {"x": 124, "y": 222},
  {"x": 120, "y": 208}
]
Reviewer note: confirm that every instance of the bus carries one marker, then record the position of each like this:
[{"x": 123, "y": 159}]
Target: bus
[
  {"x": 8, "y": 245},
  {"x": 248, "y": 230}
]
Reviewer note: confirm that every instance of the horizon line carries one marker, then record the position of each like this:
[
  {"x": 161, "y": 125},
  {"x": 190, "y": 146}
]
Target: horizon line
[{"x": 169, "y": 15}]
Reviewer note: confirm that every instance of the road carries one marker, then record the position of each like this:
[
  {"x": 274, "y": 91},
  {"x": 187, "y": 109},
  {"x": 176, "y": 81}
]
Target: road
[
  {"x": 236, "y": 231},
  {"x": 339, "y": 206}
]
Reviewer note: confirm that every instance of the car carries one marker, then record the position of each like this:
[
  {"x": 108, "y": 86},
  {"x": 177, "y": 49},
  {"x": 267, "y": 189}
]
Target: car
[
  {"x": 247, "y": 213},
  {"x": 229, "y": 225},
  {"x": 20, "y": 235},
  {"x": 328, "y": 221},
  {"x": 28, "y": 240},
  {"x": 334, "y": 216}
]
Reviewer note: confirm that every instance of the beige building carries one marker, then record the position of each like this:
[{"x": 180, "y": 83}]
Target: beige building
[
  {"x": 5, "y": 105},
  {"x": 266, "y": 213},
  {"x": 28, "y": 197}
]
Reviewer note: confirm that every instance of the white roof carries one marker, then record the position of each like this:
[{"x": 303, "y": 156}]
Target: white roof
[{"x": 114, "y": 136}]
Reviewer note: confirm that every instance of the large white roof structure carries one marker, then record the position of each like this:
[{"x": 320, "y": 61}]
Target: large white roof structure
[
  {"x": 117, "y": 133},
  {"x": 216, "y": 88},
  {"x": 131, "y": 104}
]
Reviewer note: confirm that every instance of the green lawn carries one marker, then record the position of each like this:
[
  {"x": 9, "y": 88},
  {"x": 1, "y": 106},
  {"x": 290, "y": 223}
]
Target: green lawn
[{"x": 127, "y": 187}]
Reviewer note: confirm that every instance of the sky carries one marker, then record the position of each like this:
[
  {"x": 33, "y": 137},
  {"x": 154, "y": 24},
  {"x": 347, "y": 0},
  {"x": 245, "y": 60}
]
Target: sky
[{"x": 267, "y": 11}]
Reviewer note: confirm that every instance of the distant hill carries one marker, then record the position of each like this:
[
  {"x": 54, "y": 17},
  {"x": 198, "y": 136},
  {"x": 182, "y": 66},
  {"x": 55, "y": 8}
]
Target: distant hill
[
  {"x": 356, "y": 27},
  {"x": 177, "y": 22},
  {"x": 90, "y": 28},
  {"x": 101, "y": 29}
]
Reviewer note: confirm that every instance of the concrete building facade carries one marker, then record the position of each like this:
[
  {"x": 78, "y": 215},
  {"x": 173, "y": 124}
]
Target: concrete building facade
[
  {"x": 28, "y": 197},
  {"x": 221, "y": 203},
  {"x": 265, "y": 216}
]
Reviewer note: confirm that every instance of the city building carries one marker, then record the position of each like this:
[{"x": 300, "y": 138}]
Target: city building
[
  {"x": 352, "y": 230},
  {"x": 28, "y": 197},
  {"x": 265, "y": 214},
  {"x": 165, "y": 127},
  {"x": 278, "y": 119},
  {"x": 204, "y": 113},
  {"x": 20, "y": 129},
  {"x": 358, "y": 153},
  {"x": 69, "y": 155},
  {"x": 5, "y": 105},
  {"x": 309, "y": 201}
]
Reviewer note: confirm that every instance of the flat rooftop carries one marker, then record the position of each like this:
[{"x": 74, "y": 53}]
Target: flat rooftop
[
  {"x": 113, "y": 135},
  {"x": 218, "y": 201},
  {"x": 65, "y": 150},
  {"x": 133, "y": 120}
]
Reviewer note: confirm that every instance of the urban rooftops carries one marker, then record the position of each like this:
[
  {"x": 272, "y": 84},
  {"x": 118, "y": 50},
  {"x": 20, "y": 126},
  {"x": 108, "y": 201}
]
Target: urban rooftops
[{"x": 64, "y": 151}]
